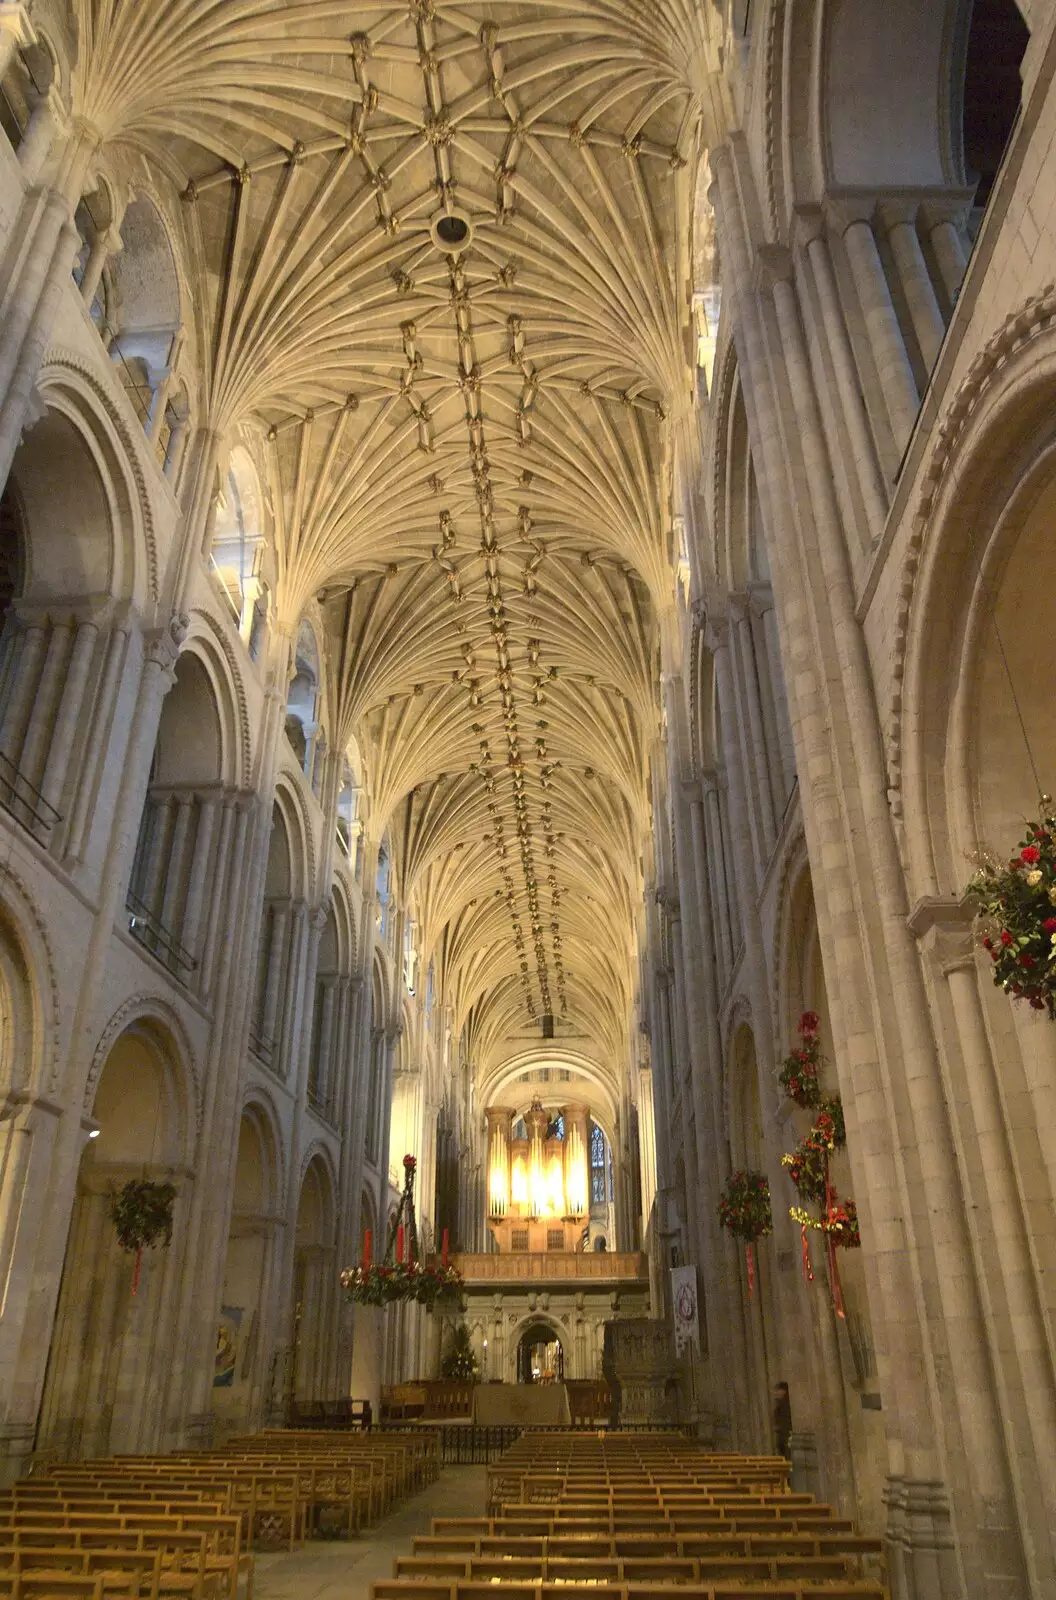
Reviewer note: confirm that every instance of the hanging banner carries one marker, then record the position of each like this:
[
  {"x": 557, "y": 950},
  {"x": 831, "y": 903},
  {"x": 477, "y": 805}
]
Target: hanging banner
[{"x": 684, "y": 1301}]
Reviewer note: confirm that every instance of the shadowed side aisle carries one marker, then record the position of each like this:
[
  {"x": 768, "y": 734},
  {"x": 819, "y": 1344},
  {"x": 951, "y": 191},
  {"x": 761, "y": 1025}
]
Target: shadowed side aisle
[{"x": 326, "y": 1569}]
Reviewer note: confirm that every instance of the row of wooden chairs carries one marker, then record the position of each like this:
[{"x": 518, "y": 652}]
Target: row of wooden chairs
[
  {"x": 184, "y": 1526},
  {"x": 639, "y": 1518}
]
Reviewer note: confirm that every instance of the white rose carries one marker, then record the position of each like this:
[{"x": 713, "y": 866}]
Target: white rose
[{"x": 1034, "y": 878}]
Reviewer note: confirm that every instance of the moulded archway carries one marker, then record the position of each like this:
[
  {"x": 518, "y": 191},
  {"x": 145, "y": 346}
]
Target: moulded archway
[
  {"x": 240, "y": 1373},
  {"x": 111, "y": 1351},
  {"x": 313, "y": 1312}
]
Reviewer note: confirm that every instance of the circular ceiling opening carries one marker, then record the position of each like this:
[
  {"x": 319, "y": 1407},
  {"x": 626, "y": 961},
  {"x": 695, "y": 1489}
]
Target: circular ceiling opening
[{"x": 452, "y": 231}]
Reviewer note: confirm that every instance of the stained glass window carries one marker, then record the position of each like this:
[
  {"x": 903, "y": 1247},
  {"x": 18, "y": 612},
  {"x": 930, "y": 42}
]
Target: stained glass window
[{"x": 597, "y": 1166}]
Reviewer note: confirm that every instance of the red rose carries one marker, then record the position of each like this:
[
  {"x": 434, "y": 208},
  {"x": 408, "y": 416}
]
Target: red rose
[
  {"x": 1037, "y": 1002},
  {"x": 1030, "y": 854},
  {"x": 1026, "y": 961},
  {"x": 808, "y": 1024},
  {"x": 1006, "y": 937},
  {"x": 1049, "y": 925}
]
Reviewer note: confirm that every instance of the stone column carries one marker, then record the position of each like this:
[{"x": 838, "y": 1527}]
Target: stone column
[
  {"x": 22, "y": 689},
  {"x": 908, "y": 1052},
  {"x": 104, "y": 245},
  {"x": 34, "y": 748},
  {"x": 715, "y": 855},
  {"x": 16, "y": 33},
  {"x": 897, "y": 383},
  {"x": 170, "y": 906},
  {"x": 97, "y": 736},
  {"x": 944, "y": 224},
  {"x": 900, "y": 220},
  {"x": 208, "y": 807},
  {"x": 751, "y": 721},
  {"x": 326, "y": 1040},
  {"x": 273, "y": 982},
  {"x": 848, "y": 387},
  {"x": 65, "y": 730},
  {"x": 1020, "y": 1359},
  {"x": 220, "y": 877}
]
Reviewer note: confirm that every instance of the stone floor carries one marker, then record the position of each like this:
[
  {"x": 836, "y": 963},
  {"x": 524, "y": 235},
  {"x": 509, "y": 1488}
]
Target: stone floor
[{"x": 346, "y": 1568}]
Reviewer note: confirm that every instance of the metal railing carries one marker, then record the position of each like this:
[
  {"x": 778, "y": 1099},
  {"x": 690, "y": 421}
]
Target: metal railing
[
  {"x": 261, "y": 1045},
  {"x": 25, "y": 803},
  {"x": 152, "y": 934}
]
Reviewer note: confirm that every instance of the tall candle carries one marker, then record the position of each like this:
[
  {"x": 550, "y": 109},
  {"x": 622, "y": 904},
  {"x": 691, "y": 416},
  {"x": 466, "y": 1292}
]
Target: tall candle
[
  {"x": 443, "y": 1248},
  {"x": 399, "y": 1244},
  {"x": 367, "y": 1242}
]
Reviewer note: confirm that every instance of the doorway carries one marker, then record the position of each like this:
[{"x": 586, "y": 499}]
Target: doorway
[{"x": 540, "y": 1355}]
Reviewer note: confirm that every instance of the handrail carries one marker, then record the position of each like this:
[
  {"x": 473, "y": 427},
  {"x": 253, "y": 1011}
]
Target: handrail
[
  {"x": 41, "y": 811},
  {"x": 152, "y": 934}
]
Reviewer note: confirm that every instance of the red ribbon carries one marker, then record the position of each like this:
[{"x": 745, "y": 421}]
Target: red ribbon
[
  {"x": 808, "y": 1270},
  {"x": 834, "y": 1277},
  {"x": 751, "y": 1271},
  {"x": 830, "y": 1240}
]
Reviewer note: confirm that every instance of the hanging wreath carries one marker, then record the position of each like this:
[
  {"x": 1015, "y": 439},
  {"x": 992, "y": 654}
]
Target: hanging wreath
[
  {"x": 400, "y": 1275},
  {"x": 839, "y": 1222},
  {"x": 744, "y": 1206},
  {"x": 800, "y": 1075},
  {"x": 808, "y": 1164},
  {"x": 1017, "y": 915},
  {"x": 808, "y": 1167},
  {"x": 142, "y": 1216},
  {"x": 745, "y": 1211}
]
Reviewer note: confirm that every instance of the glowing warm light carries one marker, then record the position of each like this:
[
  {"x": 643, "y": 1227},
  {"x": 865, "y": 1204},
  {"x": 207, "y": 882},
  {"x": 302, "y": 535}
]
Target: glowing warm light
[
  {"x": 519, "y": 1185},
  {"x": 497, "y": 1190},
  {"x": 556, "y": 1188},
  {"x": 576, "y": 1174},
  {"x": 538, "y": 1195}
]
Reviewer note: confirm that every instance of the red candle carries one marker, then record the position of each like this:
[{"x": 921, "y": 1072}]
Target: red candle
[
  {"x": 367, "y": 1242},
  {"x": 443, "y": 1248},
  {"x": 399, "y": 1245}
]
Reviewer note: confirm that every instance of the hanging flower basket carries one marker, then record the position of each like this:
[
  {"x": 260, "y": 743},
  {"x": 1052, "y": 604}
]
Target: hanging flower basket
[
  {"x": 744, "y": 1206},
  {"x": 401, "y": 1275},
  {"x": 808, "y": 1167},
  {"x": 839, "y": 1222},
  {"x": 745, "y": 1211},
  {"x": 1017, "y": 915},
  {"x": 800, "y": 1075},
  {"x": 142, "y": 1216}
]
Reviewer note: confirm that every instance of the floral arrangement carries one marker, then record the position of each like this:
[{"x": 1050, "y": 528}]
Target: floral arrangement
[
  {"x": 800, "y": 1075},
  {"x": 1017, "y": 915},
  {"x": 402, "y": 1276},
  {"x": 744, "y": 1206},
  {"x": 808, "y": 1167},
  {"x": 808, "y": 1164},
  {"x": 839, "y": 1222},
  {"x": 141, "y": 1213},
  {"x": 380, "y": 1285}
]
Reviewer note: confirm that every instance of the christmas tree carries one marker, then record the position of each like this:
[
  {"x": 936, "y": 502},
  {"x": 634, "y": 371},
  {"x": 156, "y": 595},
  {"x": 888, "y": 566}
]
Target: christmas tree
[{"x": 460, "y": 1362}]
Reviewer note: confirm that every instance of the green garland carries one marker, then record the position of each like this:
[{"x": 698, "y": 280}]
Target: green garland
[
  {"x": 1017, "y": 915},
  {"x": 744, "y": 1206},
  {"x": 142, "y": 1214}
]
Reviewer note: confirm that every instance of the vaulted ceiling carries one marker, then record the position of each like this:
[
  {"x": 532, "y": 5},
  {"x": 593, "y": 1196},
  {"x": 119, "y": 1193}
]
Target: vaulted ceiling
[{"x": 469, "y": 449}]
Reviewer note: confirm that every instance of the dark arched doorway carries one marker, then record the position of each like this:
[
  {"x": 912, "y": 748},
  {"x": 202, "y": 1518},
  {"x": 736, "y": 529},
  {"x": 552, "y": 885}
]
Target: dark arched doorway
[{"x": 540, "y": 1355}]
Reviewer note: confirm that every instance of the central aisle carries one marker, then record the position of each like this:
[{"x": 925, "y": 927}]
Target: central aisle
[{"x": 344, "y": 1569}]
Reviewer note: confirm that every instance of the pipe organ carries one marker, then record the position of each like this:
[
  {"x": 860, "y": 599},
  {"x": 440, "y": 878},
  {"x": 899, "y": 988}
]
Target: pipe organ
[{"x": 538, "y": 1184}]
